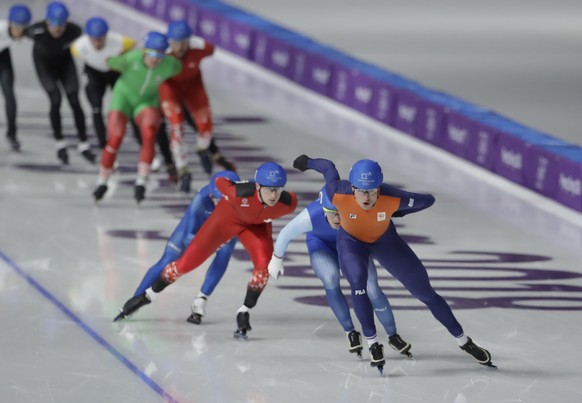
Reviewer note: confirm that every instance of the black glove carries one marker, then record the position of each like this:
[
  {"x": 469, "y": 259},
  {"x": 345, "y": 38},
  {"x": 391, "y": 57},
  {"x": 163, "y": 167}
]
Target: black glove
[{"x": 301, "y": 162}]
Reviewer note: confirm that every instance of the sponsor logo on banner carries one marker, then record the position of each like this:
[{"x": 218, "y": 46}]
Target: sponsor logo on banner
[
  {"x": 541, "y": 172},
  {"x": 406, "y": 112},
  {"x": 321, "y": 76},
  {"x": 383, "y": 103},
  {"x": 570, "y": 184},
  {"x": 148, "y": 3},
  {"x": 342, "y": 85},
  {"x": 512, "y": 159},
  {"x": 363, "y": 94},
  {"x": 208, "y": 27},
  {"x": 242, "y": 41},
  {"x": 160, "y": 8},
  {"x": 177, "y": 13},
  {"x": 457, "y": 135},
  {"x": 431, "y": 123},
  {"x": 280, "y": 58},
  {"x": 483, "y": 147}
]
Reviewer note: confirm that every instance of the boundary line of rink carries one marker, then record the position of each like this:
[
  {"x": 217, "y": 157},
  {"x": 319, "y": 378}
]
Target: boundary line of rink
[
  {"x": 87, "y": 329},
  {"x": 480, "y": 174}
]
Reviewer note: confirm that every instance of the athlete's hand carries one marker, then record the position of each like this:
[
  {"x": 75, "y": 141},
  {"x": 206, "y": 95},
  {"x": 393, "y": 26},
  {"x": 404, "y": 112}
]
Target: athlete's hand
[
  {"x": 275, "y": 267},
  {"x": 301, "y": 162}
]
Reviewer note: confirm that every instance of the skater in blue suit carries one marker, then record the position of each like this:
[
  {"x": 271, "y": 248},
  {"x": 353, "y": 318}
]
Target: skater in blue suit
[
  {"x": 198, "y": 211},
  {"x": 320, "y": 221}
]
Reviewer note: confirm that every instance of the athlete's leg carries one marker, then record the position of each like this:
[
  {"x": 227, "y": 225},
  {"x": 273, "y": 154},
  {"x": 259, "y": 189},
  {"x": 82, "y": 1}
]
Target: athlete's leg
[
  {"x": 326, "y": 266},
  {"x": 148, "y": 121},
  {"x": 354, "y": 257},
  {"x": 379, "y": 301},
  {"x": 7, "y": 84},
  {"x": 397, "y": 257},
  {"x": 154, "y": 272},
  {"x": 70, "y": 82}
]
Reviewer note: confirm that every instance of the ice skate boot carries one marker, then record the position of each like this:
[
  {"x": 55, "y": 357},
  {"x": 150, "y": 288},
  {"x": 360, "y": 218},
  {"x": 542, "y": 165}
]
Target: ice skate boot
[
  {"x": 223, "y": 162},
  {"x": 14, "y": 144},
  {"x": 243, "y": 324},
  {"x": 156, "y": 164},
  {"x": 132, "y": 305},
  {"x": 355, "y": 343},
  {"x": 63, "y": 155},
  {"x": 198, "y": 310},
  {"x": 377, "y": 356},
  {"x": 403, "y": 347},
  {"x": 86, "y": 152},
  {"x": 99, "y": 192},
  {"x": 139, "y": 193},
  {"x": 482, "y": 356},
  {"x": 185, "y": 180},
  {"x": 206, "y": 161}
]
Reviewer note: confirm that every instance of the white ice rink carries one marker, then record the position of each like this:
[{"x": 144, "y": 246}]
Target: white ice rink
[{"x": 506, "y": 259}]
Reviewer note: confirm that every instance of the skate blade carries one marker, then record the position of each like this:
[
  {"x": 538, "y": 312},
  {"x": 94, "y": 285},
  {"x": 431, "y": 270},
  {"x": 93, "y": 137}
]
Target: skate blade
[
  {"x": 195, "y": 318},
  {"x": 119, "y": 317},
  {"x": 240, "y": 334}
]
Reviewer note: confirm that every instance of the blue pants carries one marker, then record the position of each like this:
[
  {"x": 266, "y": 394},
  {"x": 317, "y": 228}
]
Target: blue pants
[
  {"x": 400, "y": 261},
  {"x": 326, "y": 266}
]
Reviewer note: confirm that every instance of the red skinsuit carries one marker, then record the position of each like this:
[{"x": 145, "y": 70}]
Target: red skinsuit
[
  {"x": 187, "y": 89},
  {"x": 239, "y": 213}
]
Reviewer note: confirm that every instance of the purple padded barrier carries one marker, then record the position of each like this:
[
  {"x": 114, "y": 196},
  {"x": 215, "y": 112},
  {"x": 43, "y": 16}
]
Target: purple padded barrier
[
  {"x": 280, "y": 56},
  {"x": 362, "y": 92},
  {"x": 430, "y": 121},
  {"x": 146, "y": 6},
  {"x": 313, "y": 70},
  {"x": 406, "y": 111},
  {"x": 182, "y": 10},
  {"x": 237, "y": 36},
  {"x": 342, "y": 85},
  {"x": 541, "y": 170},
  {"x": 482, "y": 145},
  {"x": 384, "y": 102},
  {"x": 569, "y": 180},
  {"x": 209, "y": 21},
  {"x": 130, "y": 3},
  {"x": 509, "y": 155}
]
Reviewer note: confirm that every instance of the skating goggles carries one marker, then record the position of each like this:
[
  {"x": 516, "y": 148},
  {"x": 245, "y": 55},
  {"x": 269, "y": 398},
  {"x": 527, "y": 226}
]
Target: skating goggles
[
  {"x": 366, "y": 192},
  {"x": 154, "y": 53},
  {"x": 329, "y": 211}
]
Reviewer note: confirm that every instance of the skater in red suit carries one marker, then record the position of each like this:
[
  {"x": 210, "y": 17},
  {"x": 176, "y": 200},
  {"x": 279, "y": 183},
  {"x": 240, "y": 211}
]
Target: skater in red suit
[
  {"x": 184, "y": 94},
  {"x": 246, "y": 210}
]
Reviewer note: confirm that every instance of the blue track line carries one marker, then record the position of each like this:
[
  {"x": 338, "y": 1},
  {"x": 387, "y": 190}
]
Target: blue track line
[{"x": 124, "y": 360}]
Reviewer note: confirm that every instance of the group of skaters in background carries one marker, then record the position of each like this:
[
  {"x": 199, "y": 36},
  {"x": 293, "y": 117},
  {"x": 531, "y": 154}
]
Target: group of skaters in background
[{"x": 158, "y": 88}]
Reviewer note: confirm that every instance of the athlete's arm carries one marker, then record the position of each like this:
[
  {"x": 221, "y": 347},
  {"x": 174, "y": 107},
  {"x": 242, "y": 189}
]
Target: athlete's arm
[{"x": 297, "y": 226}]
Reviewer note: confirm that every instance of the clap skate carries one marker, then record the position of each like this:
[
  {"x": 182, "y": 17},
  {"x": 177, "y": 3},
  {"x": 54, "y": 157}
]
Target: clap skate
[
  {"x": 482, "y": 356},
  {"x": 139, "y": 193},
  {"x": 206, "y": 161},
  {"x": 403, "y": 347},
  {"x": 185, "y": 180},
  {"x": 243, "y": 324},
  {"x": 63, "y": 155},
  {"x": 132, "y": 305},
  {"x": 198, "y": 310},
  {"x": 377, "y": 356},
  {"x": 99, "y": 192},
  {"x": 14, "y": 144},
  {"x": 223, "y": 162},
  {"x": 355, "y": 343}
]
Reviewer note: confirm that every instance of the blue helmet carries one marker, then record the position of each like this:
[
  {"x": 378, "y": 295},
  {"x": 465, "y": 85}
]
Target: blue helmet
[
  {"x": 325, "y": 202},
  {"x": 57, "y": 13},
  {"x": 366, "y": 174},
  {"x": 233, "y": 176},
  {"x": 96, "y": 27},
  {"x": 19, "y": 14},
  {"x": 179, "y": 30},
  {"x": 156, "y": 41},
  {"x": 271, "y": 174}
]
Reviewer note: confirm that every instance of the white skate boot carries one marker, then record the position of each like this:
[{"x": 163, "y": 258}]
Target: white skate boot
[{"x": 198, "y": 310}]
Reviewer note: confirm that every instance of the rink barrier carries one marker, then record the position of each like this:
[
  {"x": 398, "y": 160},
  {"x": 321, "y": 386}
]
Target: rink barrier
[{"x": 525, "y": 156}]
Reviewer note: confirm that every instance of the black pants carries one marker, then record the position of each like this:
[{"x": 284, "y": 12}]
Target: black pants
[
  {"x": 96, "y": 84},
  {"x": 63, "y": 74},
  {"x": 7, "y": 83}
]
